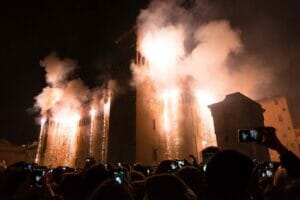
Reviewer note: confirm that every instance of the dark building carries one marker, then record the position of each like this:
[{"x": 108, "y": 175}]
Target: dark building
[
  {"x": 235, "y": 112},
  {"x": 122, "y": 128}
]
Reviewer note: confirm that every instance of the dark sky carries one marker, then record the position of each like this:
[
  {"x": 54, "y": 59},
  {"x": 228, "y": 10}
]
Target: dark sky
[{"x": 86, "y": 30}]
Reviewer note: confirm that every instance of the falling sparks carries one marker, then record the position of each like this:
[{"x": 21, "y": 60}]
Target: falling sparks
[
  {"x": 74, "y": 115},
  {"x": 106, "y": 111},
  {"x": 38, "y": 154},
  {"x": 207, "y": 126},
  {"x": 170, "y": 114},
  {"x": 93, "y": 113}
]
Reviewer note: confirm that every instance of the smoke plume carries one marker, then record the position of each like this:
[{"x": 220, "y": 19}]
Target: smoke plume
[
  {"x": 66, "y": 97},
  {"x": 178, "y": 44}
]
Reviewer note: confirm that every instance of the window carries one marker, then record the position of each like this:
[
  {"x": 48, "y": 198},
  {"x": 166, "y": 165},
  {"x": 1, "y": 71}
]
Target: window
[
  {"x": 280, "y": 118},
  {"x": 154, "y": 124},
  {"x": 155, "y": 154},
  {"x": 226, "y": 139},
  {"x": 283, "y": 109}
]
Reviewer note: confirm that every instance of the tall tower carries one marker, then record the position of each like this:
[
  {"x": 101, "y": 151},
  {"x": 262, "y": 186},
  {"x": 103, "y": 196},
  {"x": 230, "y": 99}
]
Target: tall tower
[
  {"x": 69, "y": 141},
  {"x": 171, "y": 122}
]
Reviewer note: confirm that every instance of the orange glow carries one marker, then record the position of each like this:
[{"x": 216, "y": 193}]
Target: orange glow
[
  {"x": 204, "y": 98},
  {"x": 93, "y": 112},
  {"x": 106, "y": 107},
  {"x": 206, "y": 123},
  {"x": 161, "y": 48},
  {"x": 170, "y": 121}
]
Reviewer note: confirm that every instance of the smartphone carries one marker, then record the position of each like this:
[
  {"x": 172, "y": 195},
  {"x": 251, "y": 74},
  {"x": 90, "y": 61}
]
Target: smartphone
[
  {"x": 204, "y": 167},
  {"x": 180, "y": 163},
  {"x": 28, "y": 166},
  {"x": 119, "y": 177},
  {"x": 252, "y": 135},
  {"x": 173, "y": 166},
  {"x": 39, "y": 176},
  {"x": 269, "y": 169}
]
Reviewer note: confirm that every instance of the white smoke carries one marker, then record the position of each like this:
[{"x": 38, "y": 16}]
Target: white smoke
[
  {"x": 65, "y": 96},
  {"x": 166, "y": 33}
]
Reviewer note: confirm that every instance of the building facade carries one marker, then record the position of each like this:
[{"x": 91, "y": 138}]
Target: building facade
[
  {"x": 236, "y": 112},
  {"x": 11, "y": 154},
  {"x": 277, "y": 115},
  {"x": 69, "y": 142}
]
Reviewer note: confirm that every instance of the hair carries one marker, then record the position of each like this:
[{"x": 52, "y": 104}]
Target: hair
[
  {"x": 167, "y": 186},
  {"x": 110, "y": 190},
  {"x": 228, "y": 173}
]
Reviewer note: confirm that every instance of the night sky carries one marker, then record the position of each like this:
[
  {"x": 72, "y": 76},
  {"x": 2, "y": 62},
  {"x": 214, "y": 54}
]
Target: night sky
[{"x": 86, "y": 31}]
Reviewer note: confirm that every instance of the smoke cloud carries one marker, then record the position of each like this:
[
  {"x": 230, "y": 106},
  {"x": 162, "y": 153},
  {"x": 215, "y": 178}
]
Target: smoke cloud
[
  {"x": 65, "y": 96},
  {"x": 178, "y": 44}
]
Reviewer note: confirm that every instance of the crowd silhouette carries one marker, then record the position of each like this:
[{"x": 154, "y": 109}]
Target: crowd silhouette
[{"x": 222, "y": 174}]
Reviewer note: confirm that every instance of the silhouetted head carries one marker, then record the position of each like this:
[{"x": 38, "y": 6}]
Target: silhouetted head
[
  {"x": 95, "y": 176},
  {"x": 71, "y": 186},
  {"x": 209, "y": 152},
  {"x": 136, "y": 176},
  {"x": 110, "y": 190},
  {"x": 167, "y": 186},
  {"x": 193, "y": 178},
  {"x": 140, "y": 168},
  {"x": 164, "y": 166},
  {"x": 228, "y": 172}
]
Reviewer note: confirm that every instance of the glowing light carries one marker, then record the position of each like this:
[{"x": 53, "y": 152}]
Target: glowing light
[
  {"x": 107, "y": 107},
  {"x": 162, "y": 48},
  {"x": 38, "y": 154},
  {"x": 43, "y": 120},
  {"x": 170, "y": 120},
  {"x": 93, "y": 113},
  {"x": 206, "y": 120},
  {"x": 106, "y": 110},
  {"x": 204, "y": 99}
]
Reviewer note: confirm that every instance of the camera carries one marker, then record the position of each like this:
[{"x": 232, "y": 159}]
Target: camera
[{"x": 252, "y": 135}]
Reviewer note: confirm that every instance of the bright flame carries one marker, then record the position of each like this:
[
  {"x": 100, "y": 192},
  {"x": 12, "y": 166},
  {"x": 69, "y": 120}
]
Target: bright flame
[
  {"x": 93, "y": 112},
  {"x": 67, "y": 119},
  {"x": 106, "y": 110},
  {"x": 38, "y": 154},
  {"x": 161, "y": 48},
  {"x": 107, "y": 107},
  {"x": 170, "y": 119},
  {"x": 204, "y": 98},
  {"x": 206, "y": 123}
]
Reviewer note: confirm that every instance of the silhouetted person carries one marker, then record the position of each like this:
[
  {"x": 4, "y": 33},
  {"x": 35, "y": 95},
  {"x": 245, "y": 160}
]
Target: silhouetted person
[
  {"x": 228, "y": 174},
  {"x": 110, "y": 190},
  {"x": 167, "y": 186},
  {"x": 194, "y": 178}
]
